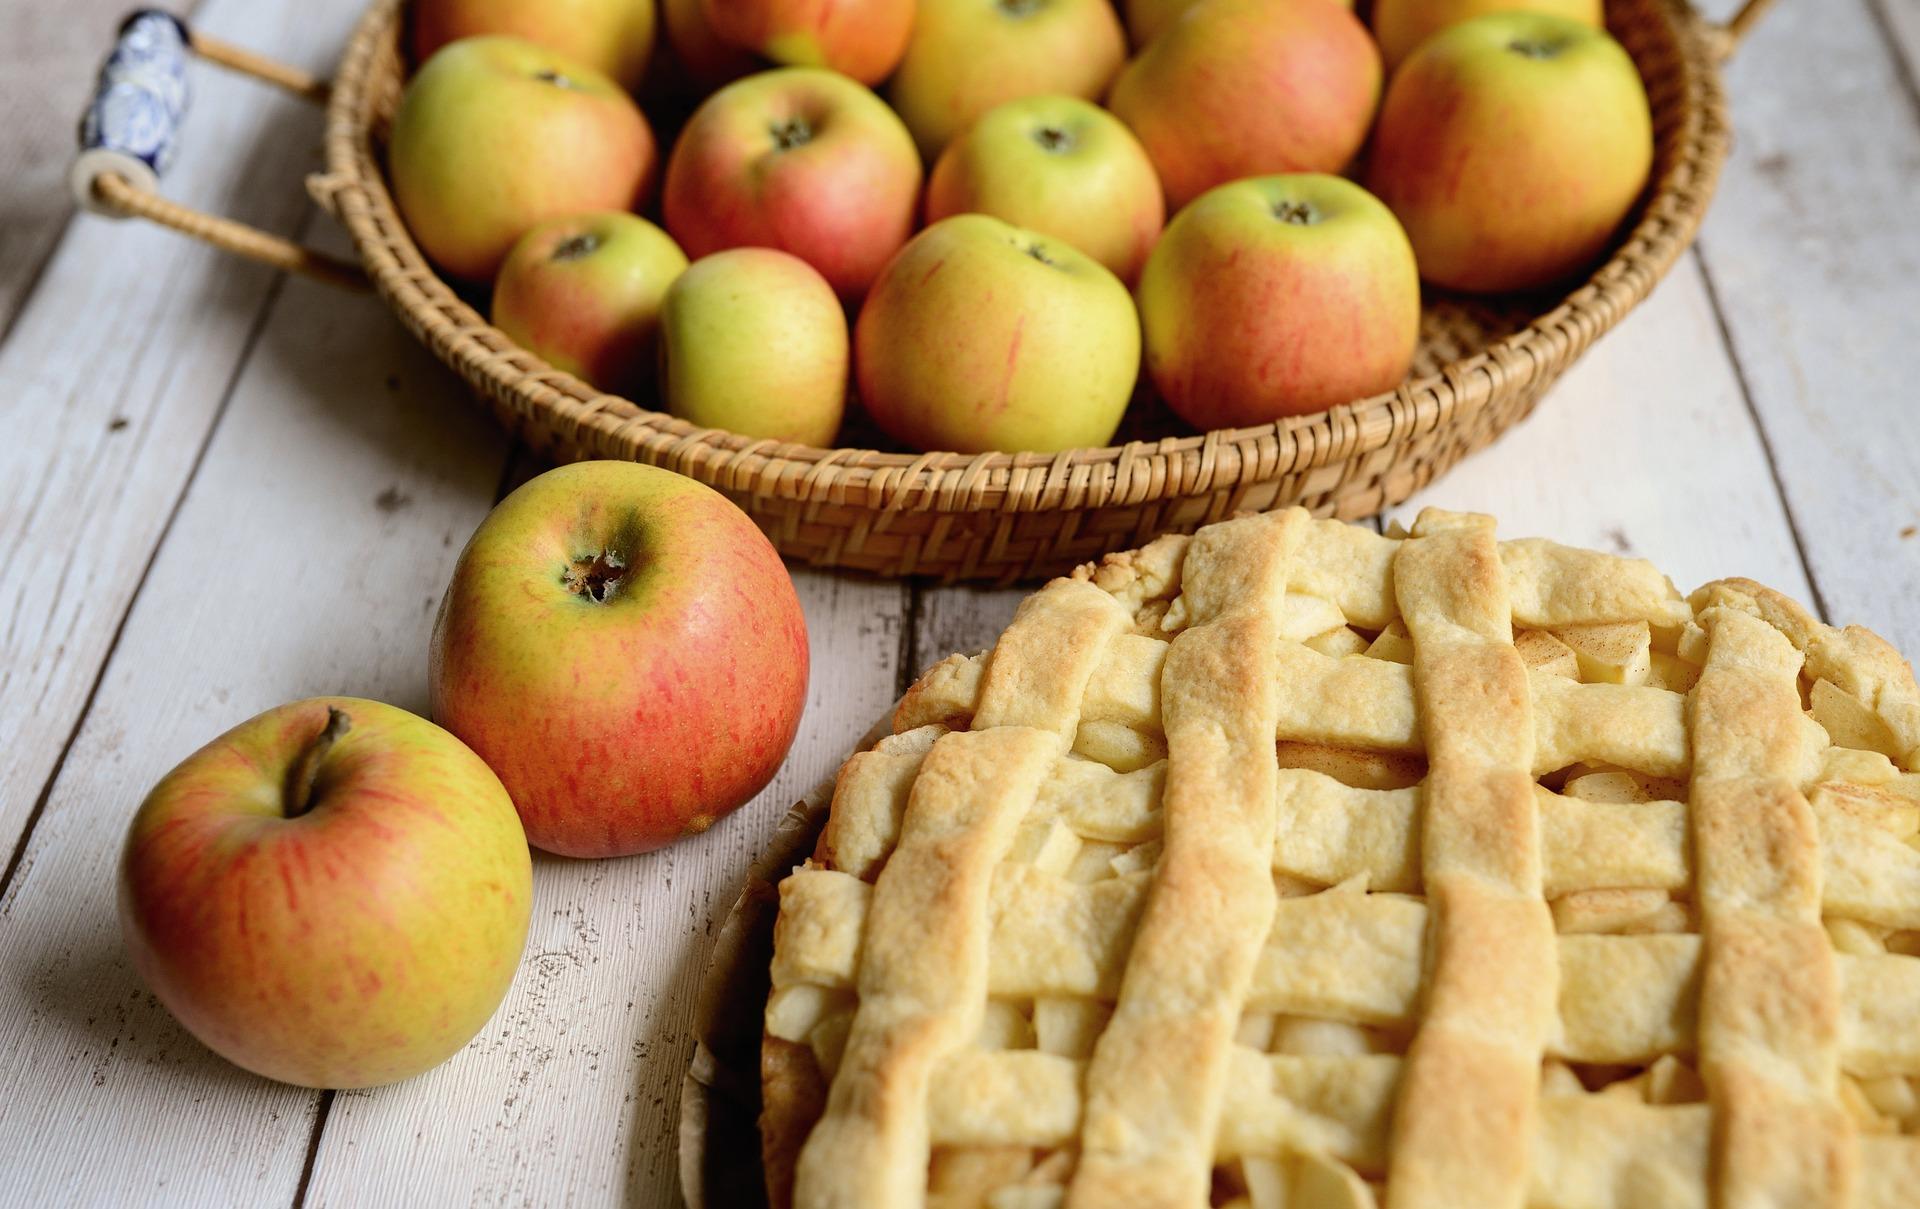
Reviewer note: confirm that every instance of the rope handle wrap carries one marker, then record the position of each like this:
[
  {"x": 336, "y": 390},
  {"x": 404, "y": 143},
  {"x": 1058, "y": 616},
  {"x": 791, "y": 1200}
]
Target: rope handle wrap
[{"x": 131, "y": 131}]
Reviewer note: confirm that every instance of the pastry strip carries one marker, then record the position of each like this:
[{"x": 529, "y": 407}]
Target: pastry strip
[
  {"x": 1159, "y": 1071},
  {"x": 1464, "y": 1122}
]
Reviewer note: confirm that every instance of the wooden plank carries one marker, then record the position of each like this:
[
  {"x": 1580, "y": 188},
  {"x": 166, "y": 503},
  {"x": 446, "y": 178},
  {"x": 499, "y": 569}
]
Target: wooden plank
[
  {"x": 307, "y": 558},
  {"x": 116, "y": 370},
  {"x": 48, "y": 56},
  {"x": 1902, "y": 23},
  {"x": 960, "y": 618},
  {"x": 571, "y": 1094},
  {"x": 1645, "y": 447},
  {"x": 1815, "y": 263}
]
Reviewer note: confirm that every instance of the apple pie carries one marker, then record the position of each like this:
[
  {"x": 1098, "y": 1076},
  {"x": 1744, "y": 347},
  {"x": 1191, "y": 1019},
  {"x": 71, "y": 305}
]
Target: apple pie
[{"x": 1290, "y": 864}]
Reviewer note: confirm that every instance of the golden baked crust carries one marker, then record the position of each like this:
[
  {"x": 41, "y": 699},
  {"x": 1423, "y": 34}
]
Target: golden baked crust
[{"x": 1289, "y": 864}]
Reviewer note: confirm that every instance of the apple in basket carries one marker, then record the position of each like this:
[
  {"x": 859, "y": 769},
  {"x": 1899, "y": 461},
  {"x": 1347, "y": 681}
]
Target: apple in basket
[
  {"x": 626, "y": 650},
  {"x": 754, "y": 341},
  {"x": 1059, "y": 166},
  {"x": 1402, "y": 25},
  {"x": 798, "y": 159},
  {"x": 982, "y": 336},
  {"x": 1512, "y": 146},
  {"x": 334, "y": 894},
  {"x": 1239, "y": 88},
  {"x": 859, "y": 38},
  {"x": 584, "y": 293},
  {"x": 966, "y": 56},
  {"x": 614, "y": 37},
  {"x": 495, "y": 135},
  {"x": 1278, "y": 296}
]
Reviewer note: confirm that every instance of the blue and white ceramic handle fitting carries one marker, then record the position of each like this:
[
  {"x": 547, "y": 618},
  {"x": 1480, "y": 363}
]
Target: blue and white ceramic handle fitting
[{"x": 132, "y": 125}]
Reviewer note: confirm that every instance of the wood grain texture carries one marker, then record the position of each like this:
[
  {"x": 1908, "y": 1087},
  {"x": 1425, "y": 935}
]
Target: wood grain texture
[
  {"x": 571, "y": 1094},
  {"x": 1646, "y": 448},
  {"x": 117, "y": 368},
  {"x": 283, "y": 577},
  {"x": 1815, "y": 261}
]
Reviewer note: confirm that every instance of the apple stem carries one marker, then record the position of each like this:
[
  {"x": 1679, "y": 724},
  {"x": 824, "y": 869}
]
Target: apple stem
[{"x": 301, "y": 776}]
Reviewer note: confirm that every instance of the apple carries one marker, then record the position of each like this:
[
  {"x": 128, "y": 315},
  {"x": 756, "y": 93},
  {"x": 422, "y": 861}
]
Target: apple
[
  {"x": 859, "y": 38},
  {"x": 966, "y": 56},
  {"x": 1240, "y": 88},
  {"x": 1511, "y": 147},
  {"x": 334, "y": 893},
  {"x": 707, "y": 60},
  {"x": 798, "y": 159},
  {"x": 625, "y": 649},
  {"x": 1402, "y": 25},
  {"x": 754, "y": 341},
  {"x": 1278, "y": 296},
  {"x": 983, "y": 336},
  {"x": 1057, "y": 165},
  {"x": 614, "y": 37},
  {"x": 584, "y": 294},
  {"x": 495, "y": 134},
  {"x": 1146, "y": 19}
]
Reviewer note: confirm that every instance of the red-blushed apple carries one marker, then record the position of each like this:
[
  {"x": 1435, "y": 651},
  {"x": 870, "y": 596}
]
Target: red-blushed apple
[
  {"x": 754, "y": 341},
  {"x": 334, "y": 893},
  {"x": 1239, "y": 88},
  {"x": 495, "y": 134},
  {"x": 1512, "y": 147},
  {"x": 625, "y": 649},
  {"x": 584, "y": 293},
  {"x": 1278, "y": 296},
  {"x": 859, "y": 38},
  {"x": 706, "y": 59},
  {"x": 982, "y": 336},
  {"x": 614, "y": 37},
  {"x": 1060, "y": 166},
  {"x": 1402, "y": 25},
  {"x": 966, "y": 56},
  {"x": 798, "y": 159}
]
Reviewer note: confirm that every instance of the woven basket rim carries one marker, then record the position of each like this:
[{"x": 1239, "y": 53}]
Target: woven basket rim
[{"x": 1138, "y": 472}]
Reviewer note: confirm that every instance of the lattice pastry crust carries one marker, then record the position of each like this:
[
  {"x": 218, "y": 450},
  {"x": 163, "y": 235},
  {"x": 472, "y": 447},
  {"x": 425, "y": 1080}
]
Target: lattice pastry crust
[{"x": 1292, "y": 865}]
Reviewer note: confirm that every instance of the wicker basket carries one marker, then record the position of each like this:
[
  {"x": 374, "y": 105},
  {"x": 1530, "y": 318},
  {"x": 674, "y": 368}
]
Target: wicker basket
[{"x": 1482, "y": 364}]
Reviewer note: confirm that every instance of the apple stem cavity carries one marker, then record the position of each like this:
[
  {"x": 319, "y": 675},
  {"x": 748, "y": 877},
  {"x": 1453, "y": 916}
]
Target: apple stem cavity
[
  {"x": 300, "y": 777},
  {"x": 1529, "y": 48},
  {"x": 794, "y": 132},
  {"x": 548, "y": 75},
  {"x": 1298, "y": 213},
  {"x": 574, "y": 247},
  {"x": 1039, "y": 253},
  {"x": 1052, "y": 138},
  {"x": 596, "y": 578},
  {"x": 1021, "y": 8}
]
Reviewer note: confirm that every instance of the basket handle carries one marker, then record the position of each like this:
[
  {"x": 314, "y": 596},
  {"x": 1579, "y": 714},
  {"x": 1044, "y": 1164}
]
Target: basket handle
[
  {"x": 132, "y": 126},
  {"x": 1727, "y": 37}
]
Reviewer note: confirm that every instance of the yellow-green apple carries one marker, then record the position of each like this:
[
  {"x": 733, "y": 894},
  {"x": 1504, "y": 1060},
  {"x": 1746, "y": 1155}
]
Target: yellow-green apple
[
  {"x": 584, "y": 293},
  {"x": 614, "y": 37},
  {"x": 703, "y": 55},
  {"x": 1278, "y": 296},
  {"x": 859, "y": 38},
  {"x": 1511, "y": 147},
  {"x": 334, "y": 893},
  {"x": 1060, "y": 166},
  {"x": 798, "y": 159},
  {"x": 1402, "y": 25},
  {"x": 982, "y": 336},
  {"x": 754, "y": 341},
  {"x": 495, "y": 134},
  {"x": 1239, "y": 88},
  {"x": 966, "y": 56},
  {"x": 625, "y": 649}
]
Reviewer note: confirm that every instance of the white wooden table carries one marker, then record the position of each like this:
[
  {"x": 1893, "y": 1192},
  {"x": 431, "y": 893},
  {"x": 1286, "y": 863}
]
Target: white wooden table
[{"x": 220, "y": 490}]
